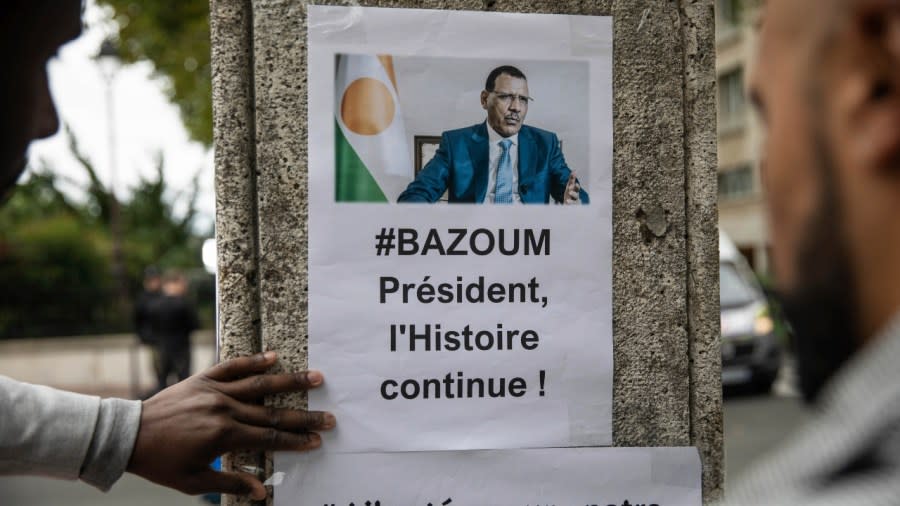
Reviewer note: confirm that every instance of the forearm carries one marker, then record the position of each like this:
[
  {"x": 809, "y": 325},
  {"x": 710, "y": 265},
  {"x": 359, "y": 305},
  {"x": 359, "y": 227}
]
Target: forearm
[
  {"x": 417, "y": 191},
  {"x": 428, "y": 186},
  {"x": 49, "y": 432},
  {"x": 431, "y": 182}
]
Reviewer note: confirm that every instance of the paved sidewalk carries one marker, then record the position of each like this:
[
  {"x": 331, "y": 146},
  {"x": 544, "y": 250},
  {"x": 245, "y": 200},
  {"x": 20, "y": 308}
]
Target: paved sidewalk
[
  {"x": 111, "y": 365},
  {"x": 130, "y": 491},
  {"x": 99, "y": 365}
]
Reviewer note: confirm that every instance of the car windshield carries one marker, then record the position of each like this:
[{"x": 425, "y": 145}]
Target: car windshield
[{"x": 733, "y": 290}]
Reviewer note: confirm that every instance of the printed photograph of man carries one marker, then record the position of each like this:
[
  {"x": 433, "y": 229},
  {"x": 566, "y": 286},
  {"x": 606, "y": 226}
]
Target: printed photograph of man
[{"x": 499, "y": 161}]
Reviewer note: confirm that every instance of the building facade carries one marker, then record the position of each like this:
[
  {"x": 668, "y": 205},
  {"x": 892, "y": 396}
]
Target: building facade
[{"x": 741, "y": 197}]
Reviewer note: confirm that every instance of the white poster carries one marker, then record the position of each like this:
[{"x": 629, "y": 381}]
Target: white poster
[
  {"x": 460, "y": 228},
  {"x": 550, "y": 476}
]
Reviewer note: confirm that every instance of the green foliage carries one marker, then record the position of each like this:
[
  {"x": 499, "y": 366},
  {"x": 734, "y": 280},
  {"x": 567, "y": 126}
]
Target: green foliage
[
  {"x": 38, "y": 198},
  {"x": 56, "y": 255},
  {"x": 153, "y": 234},
  {"x": 151, "y": 231},
  {"x": 174, "y": 35},
  {"x": 54, "y": 264}
]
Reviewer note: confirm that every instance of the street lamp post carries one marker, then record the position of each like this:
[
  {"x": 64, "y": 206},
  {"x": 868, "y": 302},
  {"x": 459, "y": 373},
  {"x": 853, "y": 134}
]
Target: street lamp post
[{"x": 108, "y": 61}]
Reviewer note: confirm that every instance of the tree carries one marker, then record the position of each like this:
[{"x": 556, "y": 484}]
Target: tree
[
  {"x": 153, "y": 233},
  {"x": 38, "y": 198},
  {"x": 174, "y": 36},
  {"x": 56, "y": 252},
  {"x": 53, "y": 262}
]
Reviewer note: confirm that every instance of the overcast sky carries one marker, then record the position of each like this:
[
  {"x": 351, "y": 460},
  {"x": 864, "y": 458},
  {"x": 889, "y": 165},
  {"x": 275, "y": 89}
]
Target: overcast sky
[{"x": 145, "y": 122}]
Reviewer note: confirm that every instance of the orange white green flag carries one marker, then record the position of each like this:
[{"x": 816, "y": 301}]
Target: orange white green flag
[{"x": 373, "y": 162}]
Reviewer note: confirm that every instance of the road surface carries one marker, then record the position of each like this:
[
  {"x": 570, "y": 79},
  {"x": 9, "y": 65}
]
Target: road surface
[{"x": 129, "y": 491}]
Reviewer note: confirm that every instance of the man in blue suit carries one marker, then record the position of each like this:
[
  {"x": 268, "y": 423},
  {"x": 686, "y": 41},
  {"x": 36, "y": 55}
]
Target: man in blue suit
[{"x": 500, "y": 161}]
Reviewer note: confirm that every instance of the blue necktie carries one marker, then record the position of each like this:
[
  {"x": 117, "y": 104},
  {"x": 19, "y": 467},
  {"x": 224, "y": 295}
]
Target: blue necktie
[{"x": 503, "y": 192}]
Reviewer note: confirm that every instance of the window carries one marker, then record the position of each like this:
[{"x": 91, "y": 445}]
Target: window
[
  {"x": 735, "y": 183},
  {"x": 731, "y": 97},
  {"x": 728, "y": 12}
]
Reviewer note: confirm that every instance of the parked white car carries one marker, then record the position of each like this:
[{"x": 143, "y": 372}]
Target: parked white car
[{"x": 751, "y": 349}]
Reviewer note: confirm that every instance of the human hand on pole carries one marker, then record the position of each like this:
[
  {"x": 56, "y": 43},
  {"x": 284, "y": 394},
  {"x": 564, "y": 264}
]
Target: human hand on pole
[{"x": 186, "y": 426}]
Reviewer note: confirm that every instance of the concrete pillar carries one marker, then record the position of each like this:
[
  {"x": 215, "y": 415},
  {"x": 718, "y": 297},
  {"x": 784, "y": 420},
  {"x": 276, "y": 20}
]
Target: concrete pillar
[{"x": 667, "y": 385}]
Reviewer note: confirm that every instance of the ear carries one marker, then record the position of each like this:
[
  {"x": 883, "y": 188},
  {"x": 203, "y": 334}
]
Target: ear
[
  {"x": 484, "y": 97},
  {"x": 865, "y": 70}
]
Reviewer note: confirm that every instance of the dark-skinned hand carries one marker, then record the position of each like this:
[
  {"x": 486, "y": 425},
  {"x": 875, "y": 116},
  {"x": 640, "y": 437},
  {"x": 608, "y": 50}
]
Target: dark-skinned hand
[{"x": 186, "y": 426}]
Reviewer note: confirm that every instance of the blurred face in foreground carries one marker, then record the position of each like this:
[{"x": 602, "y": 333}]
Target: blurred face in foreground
[
  {"x": 31, "y": 32},
  {"x": 826, "y": 82}
]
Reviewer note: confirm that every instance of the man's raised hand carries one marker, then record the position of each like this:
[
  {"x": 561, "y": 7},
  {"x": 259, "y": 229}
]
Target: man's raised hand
[
  {"x": 186, "y": 426},
  {"x": 573, "y": 190}
]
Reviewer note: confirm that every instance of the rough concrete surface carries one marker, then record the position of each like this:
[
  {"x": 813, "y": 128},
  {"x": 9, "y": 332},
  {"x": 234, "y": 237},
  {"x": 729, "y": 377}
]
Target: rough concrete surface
[
  {"x": 665, "y": 284},
  {"x": 701, "y": 214},
  {"x": 235, "y": 183}
]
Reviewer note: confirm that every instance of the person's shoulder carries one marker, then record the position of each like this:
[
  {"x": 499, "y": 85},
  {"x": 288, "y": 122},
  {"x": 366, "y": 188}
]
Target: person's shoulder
[
  {"x": 150, "y": 301},
  {"x": 148, "y": 296},
  {"x": 544, "y": 140},
  {"x": 539, "y": 133},
  {"x": 465, "y": 131}
]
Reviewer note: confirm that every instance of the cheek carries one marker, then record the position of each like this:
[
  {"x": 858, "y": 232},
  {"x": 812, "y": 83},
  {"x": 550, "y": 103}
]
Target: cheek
[
  {"x": 790, "y": 186},
  {"x": 45, "y": 122}
]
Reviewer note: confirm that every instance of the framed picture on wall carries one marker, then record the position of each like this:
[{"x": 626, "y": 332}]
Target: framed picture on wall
[{"x": 426, "y": 147}]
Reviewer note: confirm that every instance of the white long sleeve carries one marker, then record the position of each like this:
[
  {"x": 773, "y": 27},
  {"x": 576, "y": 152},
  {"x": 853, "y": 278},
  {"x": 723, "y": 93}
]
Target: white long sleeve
[{"x": 50, "y": 432}]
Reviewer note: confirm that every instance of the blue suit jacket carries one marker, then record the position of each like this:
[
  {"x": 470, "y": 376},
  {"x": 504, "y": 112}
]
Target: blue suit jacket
[{"x": 461, "y": 166}]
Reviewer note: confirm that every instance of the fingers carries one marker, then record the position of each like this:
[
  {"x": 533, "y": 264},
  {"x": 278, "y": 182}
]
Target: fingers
[
  {"x": 240, "y": 484},
  {"x": 248, "y": 437},
  {"x": 241, "y": 367},
  {"x": 258, "y": 386},
  {"x": 573, "y": 189},
  {"x": 573, "y": 197},
  {"x": 283, "y": 419}
]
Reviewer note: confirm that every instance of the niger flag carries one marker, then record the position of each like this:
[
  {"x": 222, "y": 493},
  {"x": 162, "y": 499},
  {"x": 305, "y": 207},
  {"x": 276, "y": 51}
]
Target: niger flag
[{"x": 372, "y": 157}]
